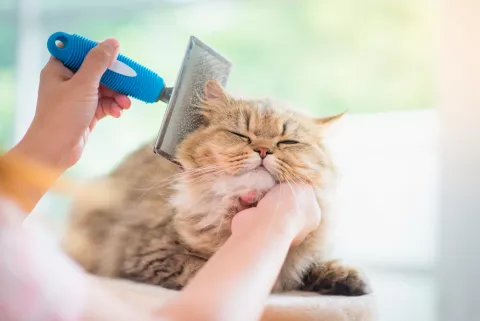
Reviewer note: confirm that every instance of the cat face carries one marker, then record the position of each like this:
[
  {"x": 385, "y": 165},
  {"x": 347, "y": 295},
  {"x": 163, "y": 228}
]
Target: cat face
[{"x": 252, "y": 136}]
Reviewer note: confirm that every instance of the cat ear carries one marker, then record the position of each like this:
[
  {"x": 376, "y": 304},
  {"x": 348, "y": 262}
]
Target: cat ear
[
  {"x": 214, "y": 91},
  {"x": 215, "y": 99},
  {"x": 327, "y": 121}
]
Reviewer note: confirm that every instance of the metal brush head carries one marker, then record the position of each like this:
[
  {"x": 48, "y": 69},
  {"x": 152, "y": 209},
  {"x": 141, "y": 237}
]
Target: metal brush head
[{"x": 201, "y": 64}]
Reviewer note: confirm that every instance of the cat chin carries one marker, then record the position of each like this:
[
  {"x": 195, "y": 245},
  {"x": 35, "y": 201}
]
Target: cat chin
[{"x": 258, "y": 179}]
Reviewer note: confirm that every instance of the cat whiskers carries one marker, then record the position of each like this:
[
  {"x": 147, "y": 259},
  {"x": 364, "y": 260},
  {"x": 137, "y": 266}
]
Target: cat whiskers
[
  {"x": 276, "y": 209},
  {"x": 279, "y": 175},
  {"x": 303, "y": 180},
  {"x": 278, "y": 205},
  {"x": 207, "y": 176},
  {"x": 204, "y": 158},
  {"x": 169, "y": 179},
  {"x": 197, "y": 172},
  {"x": 290, "y": 181},
  {"x": 289, "y": 170},
  {"x": 294, "y": 195},
  {"x": 238, "y": 163},
  {"x": 201, "y": 170}
]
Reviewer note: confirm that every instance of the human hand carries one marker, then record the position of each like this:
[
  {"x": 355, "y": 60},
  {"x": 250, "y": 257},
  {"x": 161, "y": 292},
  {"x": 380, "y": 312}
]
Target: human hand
[
  {"x": 69, "y": 106},
  {"x": 291, "y": 208}
]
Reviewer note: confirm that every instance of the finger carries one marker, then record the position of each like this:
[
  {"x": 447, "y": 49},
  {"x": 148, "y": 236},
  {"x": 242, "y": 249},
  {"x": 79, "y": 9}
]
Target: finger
[
  {"x": 100, "y": 112},
  {"x": 243, "y": 221},
  {"x": 106, "y": 107},
  {"x": 97, "y": 61},
  {"x": 110, "y": 107},
  {"x": 115, "y": 110},
  {"x": 56, "y": 70},
  {"x": 122, "y": 100},
  {"x": 92, "y": 124}
]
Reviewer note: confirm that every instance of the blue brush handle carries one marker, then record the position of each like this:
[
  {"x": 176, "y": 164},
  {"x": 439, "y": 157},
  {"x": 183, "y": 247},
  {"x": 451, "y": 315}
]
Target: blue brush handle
[{"x": 138, "y": 82}]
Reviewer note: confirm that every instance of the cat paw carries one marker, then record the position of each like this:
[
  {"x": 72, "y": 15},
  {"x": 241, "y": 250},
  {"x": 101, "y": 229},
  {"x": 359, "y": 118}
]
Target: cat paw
[{"x": 334, "y": 278}]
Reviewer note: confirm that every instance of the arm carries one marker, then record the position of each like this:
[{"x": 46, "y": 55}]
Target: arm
[
  {"x": 26, "y": 177},
  {"x": 47, "y": 285},
  {"x": 282, "y": 307},
  {"x": 68, "y": 108},
  {"x": 242, "y": 273}
]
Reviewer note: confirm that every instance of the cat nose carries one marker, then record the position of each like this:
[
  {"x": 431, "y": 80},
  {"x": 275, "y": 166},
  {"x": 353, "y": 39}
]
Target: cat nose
[{"x": 262, "y": 151}]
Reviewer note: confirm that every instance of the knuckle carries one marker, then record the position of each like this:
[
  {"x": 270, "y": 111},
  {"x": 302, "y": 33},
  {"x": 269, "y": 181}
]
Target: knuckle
[
  {"x": 101, "y": 53},
  {"x": 44, "y": 72}
]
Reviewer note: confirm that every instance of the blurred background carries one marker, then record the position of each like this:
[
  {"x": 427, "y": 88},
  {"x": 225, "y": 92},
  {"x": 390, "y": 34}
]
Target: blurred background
[{"x": 373, "y": 58}]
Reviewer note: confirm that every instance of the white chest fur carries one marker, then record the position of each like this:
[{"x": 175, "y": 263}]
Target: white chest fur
[{"x": 202, "y": 198}]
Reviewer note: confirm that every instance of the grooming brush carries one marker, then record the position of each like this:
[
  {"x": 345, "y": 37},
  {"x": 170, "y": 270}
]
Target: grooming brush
[{"x": 201, "y": 63}]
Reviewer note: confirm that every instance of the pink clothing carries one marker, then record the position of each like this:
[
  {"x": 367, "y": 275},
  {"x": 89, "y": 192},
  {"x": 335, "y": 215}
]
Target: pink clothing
[{"x": 37, "y": 281}]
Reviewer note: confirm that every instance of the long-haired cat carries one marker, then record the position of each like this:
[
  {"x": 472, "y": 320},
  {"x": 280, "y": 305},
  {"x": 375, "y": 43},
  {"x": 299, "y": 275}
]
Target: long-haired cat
[{"x": 163, "y": 221}]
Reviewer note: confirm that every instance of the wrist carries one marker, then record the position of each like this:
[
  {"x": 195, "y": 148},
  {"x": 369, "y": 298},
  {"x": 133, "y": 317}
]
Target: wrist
[
  {"x": 26, "y": 179},
  {"x": 278, "y": 223},
  {"x": 40, "y": 149}
]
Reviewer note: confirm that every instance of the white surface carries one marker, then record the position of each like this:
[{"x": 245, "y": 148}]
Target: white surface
[
  {"x": 404, "y": 297},
  {"x": 387, "y": 196},
  {"x": 388, "y": 207}
]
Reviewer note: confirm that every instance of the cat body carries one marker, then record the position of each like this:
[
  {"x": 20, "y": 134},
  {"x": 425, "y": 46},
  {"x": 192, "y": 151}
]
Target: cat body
[{"x": 160, "y": 222}]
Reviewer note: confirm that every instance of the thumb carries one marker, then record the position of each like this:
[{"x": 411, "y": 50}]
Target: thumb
[{"x": 97, "y": 61}]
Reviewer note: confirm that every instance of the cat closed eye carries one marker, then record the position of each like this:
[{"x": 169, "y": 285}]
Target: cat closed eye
[
  {"x": 242, "y": 136},
  {"x": 288, "y": 142}
]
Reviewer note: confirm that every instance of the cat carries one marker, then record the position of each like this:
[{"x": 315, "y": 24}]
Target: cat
[{"x": 164, "y": 221}]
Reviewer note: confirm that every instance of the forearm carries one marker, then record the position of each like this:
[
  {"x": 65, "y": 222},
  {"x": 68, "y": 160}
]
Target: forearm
[
  {"x": 43, "y": 285},
  {"x": 244, "y": 271},
  {"x": 103, "y": 304},
  {"x": 27, "y": 174}
]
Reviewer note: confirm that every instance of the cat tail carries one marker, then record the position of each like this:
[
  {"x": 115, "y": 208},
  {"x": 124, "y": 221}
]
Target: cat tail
[{"x": 95, "y": 211}]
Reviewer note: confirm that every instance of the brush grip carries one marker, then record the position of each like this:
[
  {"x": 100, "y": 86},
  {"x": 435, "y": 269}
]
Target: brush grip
[{"x": 124, "y": 76}]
